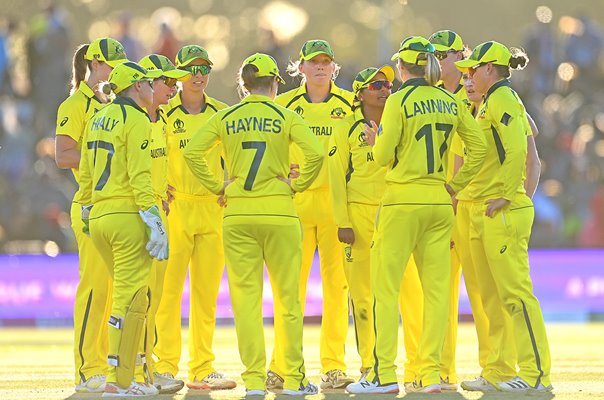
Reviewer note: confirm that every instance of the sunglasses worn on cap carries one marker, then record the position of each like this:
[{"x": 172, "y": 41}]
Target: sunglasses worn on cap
[
  {"x": 194, "y": 69},
  {"x": 378, "y": 85},
  {"x": 441, "y": 55}
]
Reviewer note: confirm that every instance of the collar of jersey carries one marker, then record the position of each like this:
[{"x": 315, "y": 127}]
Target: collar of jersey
[
  {"x": 415, "y": 82},
  {"x": 256, "y": 97},
  {"x": 332, "y": 90},
  {"x": 176, "y": 101},
  {"x": 127, "y": 101},
  {"x": 497, "y": 85},
  {"x": 358, "y": 114}
]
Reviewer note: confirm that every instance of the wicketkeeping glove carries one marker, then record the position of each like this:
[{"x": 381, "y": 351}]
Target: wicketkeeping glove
[
  {"x": 85, "y": 213},
  {"x": 158, "y": 239}
]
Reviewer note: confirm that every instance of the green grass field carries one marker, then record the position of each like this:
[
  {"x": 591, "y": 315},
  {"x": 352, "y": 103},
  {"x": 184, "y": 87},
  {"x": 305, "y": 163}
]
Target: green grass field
[{"x": 37, "y": 363}]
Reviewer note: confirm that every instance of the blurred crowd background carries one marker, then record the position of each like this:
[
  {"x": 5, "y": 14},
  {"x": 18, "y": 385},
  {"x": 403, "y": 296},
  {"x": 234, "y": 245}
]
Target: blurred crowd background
[{"x": 563, "y": 86}]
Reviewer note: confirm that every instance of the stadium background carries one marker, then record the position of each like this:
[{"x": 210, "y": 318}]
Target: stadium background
[{"x": 562, "y": 89}]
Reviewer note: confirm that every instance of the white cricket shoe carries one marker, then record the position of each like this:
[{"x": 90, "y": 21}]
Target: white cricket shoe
[
  {"x": 213, "y": 381},
  {"x": 166, "y": 383},
  {"x": 335, "y": 379},
  {"x": 255, "y": 392},
  {"x": 311, "y": 388},
  {"x": 363, "y": 386},
  {"x": 136, "y": 389},
  {"x": 519, "y": 385},
  {"x": 446, "y": 386},
  {"x": 94, "y": 384},
  {"x": 415, "y": 387},
  {"x": 478, "y": 385}
]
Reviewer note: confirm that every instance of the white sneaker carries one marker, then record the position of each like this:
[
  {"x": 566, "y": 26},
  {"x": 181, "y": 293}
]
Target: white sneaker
[
  {"x": 415, "y": 387},
  {"x": 311, "y": 388},
  {"x": 213, "y": 381},
  {"x": 273, "y": 381},
  {"x": 335, "y": 379},
  {"x": 363, "y": 386},
  {"x": 94, "y": 384},
  {"x": 255, "y": 393},
  {"x": 166, "y": 383},
  {"x": 519, "y": 385},
  {"x": 478, "y": 385},
  {"x": 136, "y": 389},
  {"x": 446, "y": 386}
]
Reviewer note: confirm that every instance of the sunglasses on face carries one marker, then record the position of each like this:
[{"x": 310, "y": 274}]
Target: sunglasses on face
[
  {"x": 441, "y": 55},
  {"x": 194, "y": 69},
  {"x": 378, "y": 85},
  {"x": 169, "y": 82},
  {"x": 473, "y": 69}
]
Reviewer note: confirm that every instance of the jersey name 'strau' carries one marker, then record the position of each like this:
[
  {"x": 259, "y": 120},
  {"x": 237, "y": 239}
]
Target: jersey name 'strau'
[
  {"x": 256, "y": 124},
  {"x": 431, "y": 106},
  {"x": 321, "y": 130},
  {"x": 104, "y": 123}
]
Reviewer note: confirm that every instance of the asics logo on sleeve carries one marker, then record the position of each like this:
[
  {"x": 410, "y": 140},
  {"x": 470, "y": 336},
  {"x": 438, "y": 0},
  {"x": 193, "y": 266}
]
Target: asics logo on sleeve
[
  {"x": 145, "y": 144},
  {"x": 64, "y": 121},
  {"x": 332, "y": 151}
]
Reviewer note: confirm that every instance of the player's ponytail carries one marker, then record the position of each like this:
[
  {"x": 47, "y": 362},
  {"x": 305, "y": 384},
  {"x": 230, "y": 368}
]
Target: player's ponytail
[
  {"x": 79, "y": 67},
  {"x": 107, "y": 88},
  {"x": 248, "y": 81},
  {"x": 432, "y": 70},
  {"x": 518, "y": 61}
]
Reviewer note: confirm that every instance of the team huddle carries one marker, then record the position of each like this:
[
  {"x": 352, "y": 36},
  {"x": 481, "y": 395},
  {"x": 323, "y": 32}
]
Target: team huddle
[{"x": 400, "y": 192}]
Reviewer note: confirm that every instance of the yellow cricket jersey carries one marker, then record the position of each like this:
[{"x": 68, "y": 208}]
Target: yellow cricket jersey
[
  {"x": 115, "y": 163},
  {"x": 255, "y": 135},
  {"x": 320, "y": 117},
  {"x": 73, "y": 114},
  {"x": 180, "y": 128},
  {"x": 159, "y": 156},
  {"x": 456, "y": 142},
  {"x": 502, "y": 119},
  {"x": 354, "y": 176},
  {"x": 414, "y": 137}
]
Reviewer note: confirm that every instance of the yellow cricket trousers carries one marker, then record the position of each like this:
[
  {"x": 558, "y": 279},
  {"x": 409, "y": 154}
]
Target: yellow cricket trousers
[
  {"x": 500, "y": 245},
  {"x": 496, "y": 349},
  {"x": 248, "y": 241},
  {"x": 156, "y": 284},
  {"x": 319, "y": 228},
  {"x": 121, "y": 238},
  {"x": 357, "y": 266},
  {"x": 92, "y": 305},
  {"x": 195, "y": 238},
  {"x": 425, "y": 231}
]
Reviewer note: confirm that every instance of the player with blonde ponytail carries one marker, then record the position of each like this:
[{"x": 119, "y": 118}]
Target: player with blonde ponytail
[
  {"x": 92, "y": 64},
  {"x": 415, "y": 215}
]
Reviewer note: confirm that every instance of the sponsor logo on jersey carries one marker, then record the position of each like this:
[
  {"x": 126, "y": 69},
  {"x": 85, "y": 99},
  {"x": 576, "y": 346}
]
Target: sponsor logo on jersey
[
  {"x": 145, "y": 144},
  {"x": 503, "y": 249},
  {"x": 179, "y": 126},
  {"x": 338, "y": 113},
  {"x": 348, "y": 253},
  {"x": 362, "y": 138},
  {"x": 64, "y": 121},
  {"x": 333, "y": 151},
  {"x": 299, "y": 110}
]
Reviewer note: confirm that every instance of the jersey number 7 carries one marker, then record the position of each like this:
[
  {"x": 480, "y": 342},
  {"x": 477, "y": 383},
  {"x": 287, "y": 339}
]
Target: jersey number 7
[
  {"x": 260, "y": 147},
  {"x": 100, "y": 144},
  {"x": 425, "y": 132}
]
